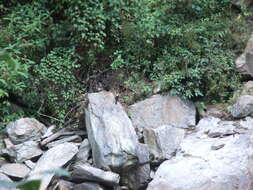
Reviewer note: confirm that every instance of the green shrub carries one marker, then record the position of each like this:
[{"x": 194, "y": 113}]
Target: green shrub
[
  {"x": 187, "y": 46},
  {"x": 12, "y": 76},
  {"x": 55, "y": 80}
]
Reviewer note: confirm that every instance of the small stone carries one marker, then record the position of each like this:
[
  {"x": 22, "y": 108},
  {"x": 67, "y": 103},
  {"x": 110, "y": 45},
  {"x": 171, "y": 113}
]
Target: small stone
[
  {"x": 64, "y": 185},
  {"x": 15, "y": 170},
  {"x": 85, "y": 172},
  {"x": 30, "y": 164},
  {"x": 26, "y": 151},
  {"x": 88, "y": 186},
  {"x": 84, "y": 152},
  {"x": 217, "y": 146},
  {"x": 49, "y": 131},
  {"x": 8, "y": 143}
]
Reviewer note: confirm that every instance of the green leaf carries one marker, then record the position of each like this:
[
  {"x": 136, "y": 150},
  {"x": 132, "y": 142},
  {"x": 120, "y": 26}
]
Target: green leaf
[{"x": 30, "y": 185}]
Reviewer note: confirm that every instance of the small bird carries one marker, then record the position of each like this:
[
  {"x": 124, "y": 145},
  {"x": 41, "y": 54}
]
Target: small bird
[{"x": 116, "y": 98}]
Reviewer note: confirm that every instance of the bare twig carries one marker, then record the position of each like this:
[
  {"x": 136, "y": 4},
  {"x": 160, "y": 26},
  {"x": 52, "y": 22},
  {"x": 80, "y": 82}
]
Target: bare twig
[{"x": 50, "y": 117}]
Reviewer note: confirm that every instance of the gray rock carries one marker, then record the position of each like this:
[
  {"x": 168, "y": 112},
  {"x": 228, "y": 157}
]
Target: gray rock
[
  {"x": 49, "y": 131},
  {"x": 212, "y": 111},
  {"x": 5, "y": 178},
  {"x": 163, "y": 141},
  {"x": 30, "y": 164},
  {"x": 110, "y": 132},
  {"x": 8, "y": 143},
  {"x": 163, "y": 110},
  {"x": 88, "y": 186},
  {"x": 247, "y": 88},
  {"x": 139, "y": 176},
  {"x": 54, "y": 158},
  {"x": 85, "y": 172},
  {"x": 244, "y": 63},
  {"x": 64, "y": 185},
  {"x": 26, "y": 151},
  {"x": 74, "y": 138},
  {"x": 15, "y": 170},
  {"x": 2, "y": 162},
  {"x": 25, "y": 129},
  {"x": 243, "y": 106},
  {"x": 84, "y": 152},
  {"x": 198, "y": 167}
]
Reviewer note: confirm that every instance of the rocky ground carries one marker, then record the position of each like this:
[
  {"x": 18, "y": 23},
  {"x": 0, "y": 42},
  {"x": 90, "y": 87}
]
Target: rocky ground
[{"x": 160, "y": 143}]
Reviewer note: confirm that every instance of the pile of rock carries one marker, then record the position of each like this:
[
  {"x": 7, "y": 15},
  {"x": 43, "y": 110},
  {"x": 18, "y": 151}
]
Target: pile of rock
[
  {"x": 108, "y": 154},
  {"x": 156, "y": 144}
]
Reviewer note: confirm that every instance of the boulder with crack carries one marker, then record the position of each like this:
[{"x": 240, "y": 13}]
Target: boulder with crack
[
  {"x": 161, "y": 110},
  {"x": 110, "y": 132},
  {"x": 163, "y": 141}
]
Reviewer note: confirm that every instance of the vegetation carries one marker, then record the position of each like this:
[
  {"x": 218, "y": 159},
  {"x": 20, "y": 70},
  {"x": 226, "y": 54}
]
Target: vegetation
[{"x": 53, "y": 51}]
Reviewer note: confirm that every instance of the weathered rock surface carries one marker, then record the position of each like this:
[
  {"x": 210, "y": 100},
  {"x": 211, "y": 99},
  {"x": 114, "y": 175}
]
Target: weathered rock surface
[
  {"x": 163, "y": 110},
  {"x": 54, "y": 158},
  {"x": 25, "y": 129},
  {"x": 74, "y": 138},
  {"x": 88, "y": 186},
  {"x": 163, "y": 141},
  {"x": 26, "y": 151},
  {"x": 199, "y": 166},
  {"x": 244, "y": 63},
  {"x": 110, "y": 132},
  {"x": 88, "y": 173},
  {"x": 243, "y": 106},
  {"x": 247, "y": 88},
  {"x": 213, "y": 111},
  {"x": 5, "y": 178},
  {"x": 64, "y": 185},
  {"x": 139, "y": 176},
  {"x": 30, "y": 164},
  {"x": 83, "y": 153},
  {"x": 15, "y": 170}
]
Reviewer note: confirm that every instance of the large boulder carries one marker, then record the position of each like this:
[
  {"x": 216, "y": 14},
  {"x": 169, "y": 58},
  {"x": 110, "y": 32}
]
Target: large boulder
[
  {"x": 25, "y": 129},
  {"x": 243, "y": 106},
  {"x": 54, "y": 158},
  {"x": 110, "y": 132},
  {"x": 244, "y": 63},
  {"x": 222, "y": 162},
  {"x": 163, "y": 141},
  {"x": 161, "y": 110}
]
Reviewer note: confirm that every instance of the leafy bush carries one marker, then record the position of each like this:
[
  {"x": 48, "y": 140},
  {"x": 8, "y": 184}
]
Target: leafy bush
[
  {"x": 12, "y": 76},
  {"x": 186, "y": 46},
  {"x": 55, "y": 81}
]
